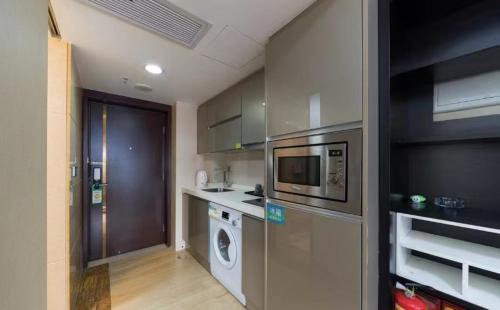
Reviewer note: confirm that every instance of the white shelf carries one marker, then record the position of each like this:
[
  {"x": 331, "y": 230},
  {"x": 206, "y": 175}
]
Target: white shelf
[
  {"x": 457, "y": 282},
  {"x": 426, "y": 272},
  {"x": 484, "y": 291},
  {"x": 477, "y": 255}
]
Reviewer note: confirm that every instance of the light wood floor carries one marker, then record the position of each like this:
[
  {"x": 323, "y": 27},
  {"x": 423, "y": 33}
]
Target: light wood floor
[{"x": 164, "y": 279}]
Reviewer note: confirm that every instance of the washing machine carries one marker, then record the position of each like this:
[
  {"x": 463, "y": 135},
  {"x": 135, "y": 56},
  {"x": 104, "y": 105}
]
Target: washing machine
[{"x": 225, "y": 248}]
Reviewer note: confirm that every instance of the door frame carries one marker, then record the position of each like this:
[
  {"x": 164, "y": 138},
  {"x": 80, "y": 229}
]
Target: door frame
[{"x": 105, "y": 98}]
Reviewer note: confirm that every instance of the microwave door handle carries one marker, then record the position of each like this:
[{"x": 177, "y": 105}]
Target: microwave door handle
[
  {"x": 276, "y": 171},
  {"x": 325, "y": 171}
]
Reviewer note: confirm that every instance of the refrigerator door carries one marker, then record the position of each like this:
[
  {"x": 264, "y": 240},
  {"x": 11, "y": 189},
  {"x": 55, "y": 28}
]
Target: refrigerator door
[{"x": 313, "y": 258}]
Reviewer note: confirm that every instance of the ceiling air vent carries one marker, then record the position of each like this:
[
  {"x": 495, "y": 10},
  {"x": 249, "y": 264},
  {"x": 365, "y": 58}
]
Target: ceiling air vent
[{"x": 159, "y": 16}]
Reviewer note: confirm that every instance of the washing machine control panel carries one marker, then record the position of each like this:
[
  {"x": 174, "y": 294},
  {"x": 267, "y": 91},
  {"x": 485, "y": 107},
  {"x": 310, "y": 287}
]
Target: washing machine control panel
[{"x": 233, "y": 219}]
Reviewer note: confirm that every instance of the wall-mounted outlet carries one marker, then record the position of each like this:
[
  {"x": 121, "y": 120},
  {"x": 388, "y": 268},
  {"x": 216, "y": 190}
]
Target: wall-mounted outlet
[{"x": 183, "y": 245}]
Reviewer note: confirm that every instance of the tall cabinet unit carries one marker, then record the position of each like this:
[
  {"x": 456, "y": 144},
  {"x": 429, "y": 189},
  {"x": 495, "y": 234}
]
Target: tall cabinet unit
[
  {"x": 314, "y": 69},
  {"x": 440, "y": 138}
]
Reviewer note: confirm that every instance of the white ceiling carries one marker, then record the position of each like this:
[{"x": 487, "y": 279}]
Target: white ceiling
[{"x": 107, "y": 48}]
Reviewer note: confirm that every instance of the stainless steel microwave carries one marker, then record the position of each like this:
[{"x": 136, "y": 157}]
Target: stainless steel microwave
[{"x": 321, "y": 170}]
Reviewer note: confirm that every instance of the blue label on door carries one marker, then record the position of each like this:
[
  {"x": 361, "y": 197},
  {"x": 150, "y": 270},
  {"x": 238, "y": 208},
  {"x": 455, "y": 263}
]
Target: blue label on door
[{"x": 275, "y": 214}]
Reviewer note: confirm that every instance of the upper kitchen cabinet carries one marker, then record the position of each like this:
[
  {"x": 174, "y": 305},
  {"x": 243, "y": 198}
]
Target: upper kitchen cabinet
[
  {"x": 253, "y": 110},
  {"x": 314, "y": 69},
  {"x": 225, "y": 136},
  {"x": 202, "y": 129},
  {"x": 234, "y": 119},
  {"x": 225, "y": 106}
]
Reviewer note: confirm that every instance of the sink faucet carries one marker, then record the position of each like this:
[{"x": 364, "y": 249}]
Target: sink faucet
[{"x": 225, "y": 176}]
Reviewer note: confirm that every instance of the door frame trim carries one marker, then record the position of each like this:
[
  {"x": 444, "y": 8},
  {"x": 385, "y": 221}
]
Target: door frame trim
[{"x": 106, "y": 98}]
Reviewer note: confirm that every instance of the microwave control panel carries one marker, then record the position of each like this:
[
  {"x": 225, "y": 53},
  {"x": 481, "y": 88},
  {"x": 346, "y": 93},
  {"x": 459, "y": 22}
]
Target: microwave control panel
[{"x": 337, "y": 166}]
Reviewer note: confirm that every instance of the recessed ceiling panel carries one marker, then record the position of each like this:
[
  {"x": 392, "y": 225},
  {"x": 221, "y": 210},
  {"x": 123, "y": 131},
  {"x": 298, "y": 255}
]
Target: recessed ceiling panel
[
  {"x": 233, "y": 48},
  {"x": 159, "y": 16}
]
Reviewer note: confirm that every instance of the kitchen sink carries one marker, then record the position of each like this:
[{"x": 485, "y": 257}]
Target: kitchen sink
[{"x": 217, "y": 190}]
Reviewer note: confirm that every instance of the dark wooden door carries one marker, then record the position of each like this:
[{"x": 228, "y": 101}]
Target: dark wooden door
[
  {"x": 136, "y": 194},
  {"x": 132, "y": 142}
]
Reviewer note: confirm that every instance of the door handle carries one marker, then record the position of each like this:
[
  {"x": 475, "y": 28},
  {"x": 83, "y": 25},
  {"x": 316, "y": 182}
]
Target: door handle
[{"x": 98, "y": 185}]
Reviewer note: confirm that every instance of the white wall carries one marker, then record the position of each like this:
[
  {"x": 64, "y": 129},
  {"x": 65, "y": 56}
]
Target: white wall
[
  {"x": 185, "y": 160},
  {"x": 23, "y": 154},
  {"x": 247, "y": 168}
]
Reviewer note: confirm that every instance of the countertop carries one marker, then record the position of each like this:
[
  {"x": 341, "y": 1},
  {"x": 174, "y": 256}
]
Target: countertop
[{"x": 233, "y": 200}]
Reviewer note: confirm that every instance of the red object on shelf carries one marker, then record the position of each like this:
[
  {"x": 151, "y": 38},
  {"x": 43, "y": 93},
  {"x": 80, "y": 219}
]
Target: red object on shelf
[{"x": 408, "y": 301}]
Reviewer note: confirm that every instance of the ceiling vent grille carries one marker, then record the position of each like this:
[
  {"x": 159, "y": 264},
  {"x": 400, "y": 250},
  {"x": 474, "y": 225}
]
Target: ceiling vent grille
[{"x": 158, "y": 16}]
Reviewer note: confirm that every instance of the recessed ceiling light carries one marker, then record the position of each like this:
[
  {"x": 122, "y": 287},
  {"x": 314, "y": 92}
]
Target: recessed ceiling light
[
  {"x": 143, "y": 87},
  {"x": 153, "y": 69}
]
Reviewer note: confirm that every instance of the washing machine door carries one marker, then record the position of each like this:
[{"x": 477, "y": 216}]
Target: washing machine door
[{"x": 224, "y": 246}]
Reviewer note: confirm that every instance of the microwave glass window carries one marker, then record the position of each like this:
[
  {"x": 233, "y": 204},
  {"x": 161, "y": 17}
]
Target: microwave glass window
[{"x": 300, "y": 170}]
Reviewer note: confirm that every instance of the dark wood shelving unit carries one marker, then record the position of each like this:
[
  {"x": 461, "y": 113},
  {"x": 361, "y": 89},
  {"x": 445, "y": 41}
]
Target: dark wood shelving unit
[
  {"x": 469, "y": 64},
  {"x": 431, "y": 42},
  {"x": 445, "y": 140},
  {"x": 472, "y": 28}
]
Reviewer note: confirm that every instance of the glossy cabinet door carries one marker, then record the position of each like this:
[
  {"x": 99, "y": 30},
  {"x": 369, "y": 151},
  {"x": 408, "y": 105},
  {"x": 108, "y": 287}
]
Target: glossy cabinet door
[
  {"x": 234, "y": 118},
  {"x": 198, "y": 230},
  {"x": 314, "y": 69},
  {"x": 313, "y": 260},
  {"x": 225, "y": 106},
  {"x": 202, "y": 129},
  {"x": 253, "y": 110},
  {"x": 225, "y": 136},
  {"x": 253, "y": 251}
]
